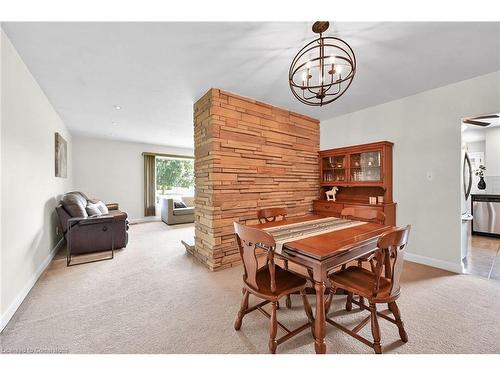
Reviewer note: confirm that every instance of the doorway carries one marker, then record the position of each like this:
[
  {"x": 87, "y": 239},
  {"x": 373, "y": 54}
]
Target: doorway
[{"x": 480, "y": 196}]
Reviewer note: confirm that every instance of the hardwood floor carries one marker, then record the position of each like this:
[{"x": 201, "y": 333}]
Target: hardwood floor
[{"x": 484, "y": 257}]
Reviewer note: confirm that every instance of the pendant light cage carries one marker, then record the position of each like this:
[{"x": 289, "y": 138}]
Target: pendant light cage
[{"x": 322, "y": 70}]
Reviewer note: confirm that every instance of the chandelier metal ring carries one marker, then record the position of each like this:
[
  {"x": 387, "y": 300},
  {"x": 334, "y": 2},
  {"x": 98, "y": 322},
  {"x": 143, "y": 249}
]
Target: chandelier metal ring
[{"x": 322, "y": 70}]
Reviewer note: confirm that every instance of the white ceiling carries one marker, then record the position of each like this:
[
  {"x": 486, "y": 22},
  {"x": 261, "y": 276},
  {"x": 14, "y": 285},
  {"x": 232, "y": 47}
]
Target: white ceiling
[{"x": 156, "y": 71}]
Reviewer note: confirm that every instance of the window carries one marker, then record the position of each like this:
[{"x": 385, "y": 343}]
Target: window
[{"x": 174, "y": 178}]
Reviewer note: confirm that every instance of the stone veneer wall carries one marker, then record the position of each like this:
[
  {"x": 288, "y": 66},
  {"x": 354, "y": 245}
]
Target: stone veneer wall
[{"x": 248, "y": 155}]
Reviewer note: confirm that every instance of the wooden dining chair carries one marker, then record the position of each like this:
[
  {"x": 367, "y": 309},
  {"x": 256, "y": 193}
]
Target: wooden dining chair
[
  {"x": 269, "y": 282},
  {"x": 268, "y": 215},
  {"x": 375, "y": 287},
  {"x": 364, "y": 214}
]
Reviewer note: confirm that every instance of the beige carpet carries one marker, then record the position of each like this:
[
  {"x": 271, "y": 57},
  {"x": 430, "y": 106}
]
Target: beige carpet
[{"x": 153, "y": 298}]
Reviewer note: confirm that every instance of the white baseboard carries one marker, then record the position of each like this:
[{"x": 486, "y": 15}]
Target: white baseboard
[
  {"x": 147, "y": 219},
  {"x": 448, "y": 266},
  {"x": 7, "y": 315}
]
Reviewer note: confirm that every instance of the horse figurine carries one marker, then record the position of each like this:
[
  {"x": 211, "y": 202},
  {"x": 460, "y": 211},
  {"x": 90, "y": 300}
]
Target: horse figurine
[{"x": 330, "y": 194}]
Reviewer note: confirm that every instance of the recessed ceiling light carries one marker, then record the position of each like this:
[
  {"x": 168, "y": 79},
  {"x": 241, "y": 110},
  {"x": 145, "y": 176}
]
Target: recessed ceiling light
[
  {"x": 118, "y": 107},
  {"x": 114, "y": 123}
]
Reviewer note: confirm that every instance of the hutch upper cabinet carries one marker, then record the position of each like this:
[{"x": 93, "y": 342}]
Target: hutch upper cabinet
[{"x": 359, "y": 172}]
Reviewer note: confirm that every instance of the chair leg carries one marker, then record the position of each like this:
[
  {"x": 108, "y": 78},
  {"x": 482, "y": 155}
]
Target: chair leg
[
  {"x": 397, "y": 316},
  {"x": 361, "y": 300},
  {"x": 241, "y": 313},
  {"x": 348, "y": 304},
  {"x": 375, "y": 329},
  {"x": 372, "y": 265},
  {"x": 307, "y": 306},
  {"x": 288, "y": 299},
  {"x": 273, "y": 329},
  {"x": 329, "y": 301},
  {"x": 308, "y": 310}
]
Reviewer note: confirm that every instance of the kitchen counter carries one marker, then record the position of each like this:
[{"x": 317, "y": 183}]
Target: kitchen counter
[
  {"x": 485, "y": 196},
  {"x": 486, "y": 214}
]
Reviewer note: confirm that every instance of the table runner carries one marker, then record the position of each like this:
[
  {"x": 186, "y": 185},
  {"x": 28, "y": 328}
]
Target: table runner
[{"x": 297, "y": 231}]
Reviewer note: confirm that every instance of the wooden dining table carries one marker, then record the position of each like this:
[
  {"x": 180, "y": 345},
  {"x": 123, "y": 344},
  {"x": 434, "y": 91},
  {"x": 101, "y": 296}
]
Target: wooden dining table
[{"x": 320, "y": 254}]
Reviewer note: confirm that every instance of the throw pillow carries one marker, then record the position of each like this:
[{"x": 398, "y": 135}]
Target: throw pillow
[
  {"x": 93, "y": 210},
  {"x": 179, "y": 204},
  {"x": 102, "y": 207}
]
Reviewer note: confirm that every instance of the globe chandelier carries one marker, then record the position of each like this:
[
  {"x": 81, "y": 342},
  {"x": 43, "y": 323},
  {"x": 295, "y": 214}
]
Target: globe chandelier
[{"x": 323, "y": 69}]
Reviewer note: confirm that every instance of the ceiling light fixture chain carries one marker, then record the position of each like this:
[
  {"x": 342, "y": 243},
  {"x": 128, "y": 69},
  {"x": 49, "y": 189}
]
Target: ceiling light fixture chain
[{"x": 323, "y": 69}]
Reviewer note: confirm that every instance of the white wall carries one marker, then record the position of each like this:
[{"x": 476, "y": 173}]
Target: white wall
[
  {"x": 492, "y": 160},
  {"x": 2, "y": 322},
  {"x": 426, "y": 131},
  {"x": 493, "y": 151},
  {"x": 479, "y": 146},
  {"x": 113, "y": 171},
  {"x": 29, "y": 190}
]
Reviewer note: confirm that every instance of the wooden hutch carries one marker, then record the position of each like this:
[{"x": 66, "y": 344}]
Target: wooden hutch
[{"x": 359, "y": 172}]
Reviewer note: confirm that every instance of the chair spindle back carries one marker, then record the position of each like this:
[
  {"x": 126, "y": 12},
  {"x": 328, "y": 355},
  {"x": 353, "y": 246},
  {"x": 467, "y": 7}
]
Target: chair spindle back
[{"x": 390, "y": 256}]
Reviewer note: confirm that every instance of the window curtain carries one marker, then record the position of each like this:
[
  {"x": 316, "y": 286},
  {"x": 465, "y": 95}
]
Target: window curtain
[{"x": 149, "y": 185}]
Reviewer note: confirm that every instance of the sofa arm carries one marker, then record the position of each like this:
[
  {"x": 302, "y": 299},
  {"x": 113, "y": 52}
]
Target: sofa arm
[
  {"x": 89, "y": 220},
  {"x": 167, "y": 210},
  {"x": 96, "y": 220},
  {"x": 112, "y": 206},
  {"x": 92, "y": 234}
]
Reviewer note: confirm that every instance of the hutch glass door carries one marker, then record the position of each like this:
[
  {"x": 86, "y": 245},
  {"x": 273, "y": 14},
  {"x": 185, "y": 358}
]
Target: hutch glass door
[
  {"x": 334, "y": 168},
  {"x": 365, "y": 166}
]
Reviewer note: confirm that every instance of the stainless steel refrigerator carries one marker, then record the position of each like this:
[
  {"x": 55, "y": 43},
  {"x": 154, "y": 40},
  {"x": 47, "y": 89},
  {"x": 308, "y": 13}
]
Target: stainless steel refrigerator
[{"x": 466, "y": 216}]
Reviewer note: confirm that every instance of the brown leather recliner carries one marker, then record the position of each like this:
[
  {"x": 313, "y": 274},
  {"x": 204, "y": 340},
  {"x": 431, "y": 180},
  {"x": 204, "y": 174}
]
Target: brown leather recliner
[{"x": 91, "y": 233}]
